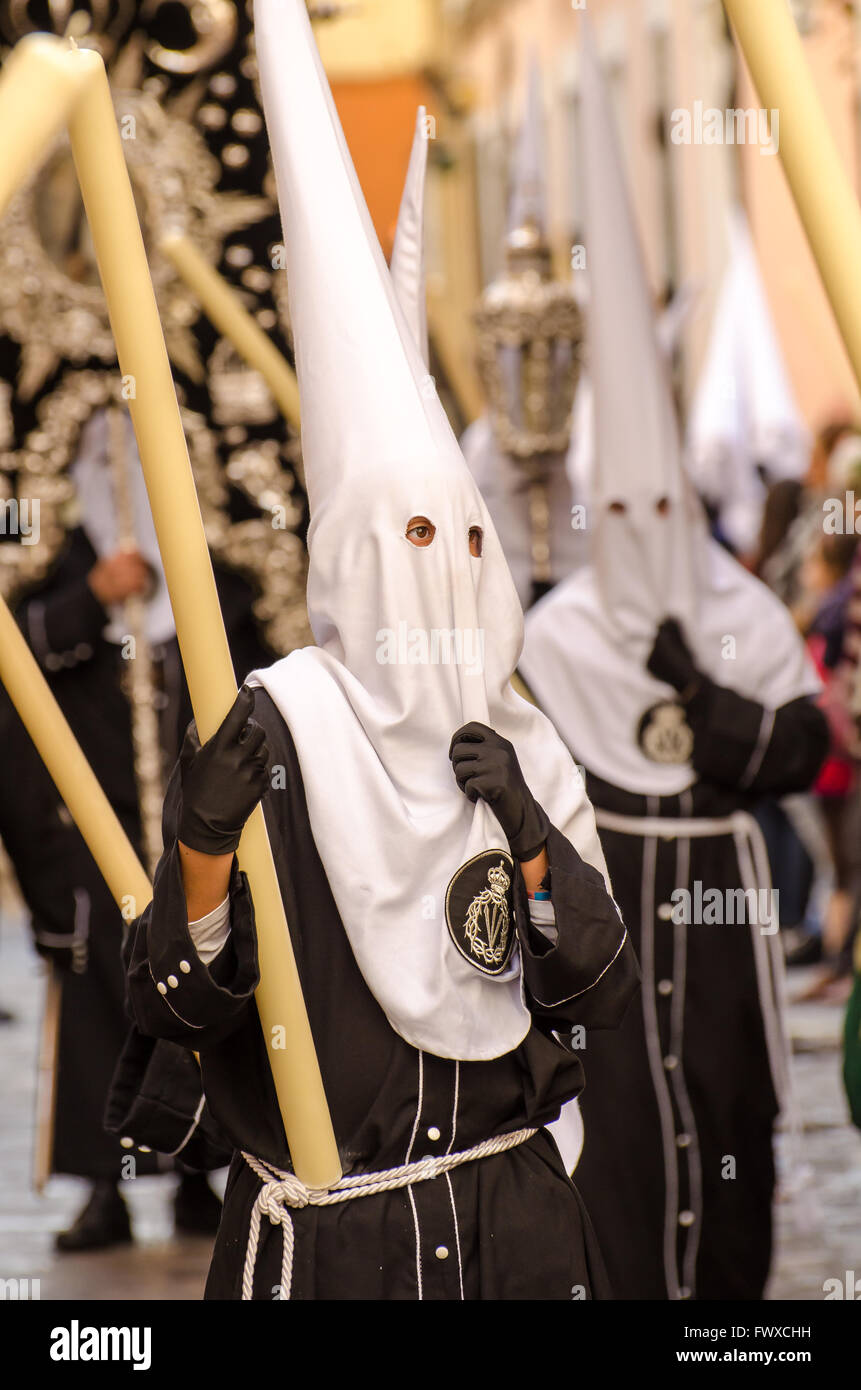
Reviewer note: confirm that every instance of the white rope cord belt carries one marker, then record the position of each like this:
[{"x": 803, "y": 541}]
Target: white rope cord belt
[
  {"x": 674, "y": 827},
  {"x": 282, "y": 1191}
]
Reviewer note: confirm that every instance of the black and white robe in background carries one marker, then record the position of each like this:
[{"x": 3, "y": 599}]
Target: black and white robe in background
[
  {"x": 677, "y": 1170},
  {"x": 505, "y": 1227},
  {"x": 65, "y": 893}
]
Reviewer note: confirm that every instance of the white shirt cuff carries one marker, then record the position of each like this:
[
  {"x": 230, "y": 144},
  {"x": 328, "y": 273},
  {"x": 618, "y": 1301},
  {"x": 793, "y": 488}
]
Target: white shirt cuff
[
  {"x": 210, "y": 933},
  {"x": 543, "y": 918}
]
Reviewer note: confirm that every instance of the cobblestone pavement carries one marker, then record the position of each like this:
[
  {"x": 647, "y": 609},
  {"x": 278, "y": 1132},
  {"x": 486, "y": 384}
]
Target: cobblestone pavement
[
  {"x": 819, "y": 1232},
  {"x": 157, "y": 1266}
]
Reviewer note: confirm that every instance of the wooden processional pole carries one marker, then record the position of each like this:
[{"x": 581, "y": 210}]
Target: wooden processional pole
[{"x": 821, "y": 188}]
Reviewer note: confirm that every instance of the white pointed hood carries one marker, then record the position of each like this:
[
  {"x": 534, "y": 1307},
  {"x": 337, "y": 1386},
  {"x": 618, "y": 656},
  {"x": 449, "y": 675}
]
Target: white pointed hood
[
  {"x": 644, "y": 555},
  {"x": 412, "y": 642},
  {"x": 580, "y": 459},
  {"x": 587, "y": 643},
  {"x": 744, "y": 415},
  {"x": 407, "y": 264},
  {"x": 504, "y": 484}
]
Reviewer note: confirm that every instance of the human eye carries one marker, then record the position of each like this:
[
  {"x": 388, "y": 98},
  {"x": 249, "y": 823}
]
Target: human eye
[{"x": 420, "y": 531}]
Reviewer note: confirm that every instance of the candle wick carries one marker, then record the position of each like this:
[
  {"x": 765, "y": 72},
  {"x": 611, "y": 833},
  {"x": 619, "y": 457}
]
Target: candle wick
[{"x": 78, "y": 26}]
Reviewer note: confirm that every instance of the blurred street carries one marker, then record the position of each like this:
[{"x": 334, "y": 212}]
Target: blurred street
[
  {"x": 819, "y": 1234},
  {"x": 156, "y": 1266}
]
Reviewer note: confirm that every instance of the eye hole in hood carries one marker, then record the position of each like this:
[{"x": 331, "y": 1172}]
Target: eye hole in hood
[{"x": 420, "y": 532}]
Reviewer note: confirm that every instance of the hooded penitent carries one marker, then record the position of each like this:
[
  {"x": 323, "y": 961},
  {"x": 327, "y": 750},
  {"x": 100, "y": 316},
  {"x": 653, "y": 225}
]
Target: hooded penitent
[
  {"x": 744, "y": 416},
  {"x": 407, "y": 265},
  {"x": 412, "y": 642},
  {"x": 588, "y": 642}
]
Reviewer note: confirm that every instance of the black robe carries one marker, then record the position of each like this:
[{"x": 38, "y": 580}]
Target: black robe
[
  {"x": 63, "y": 888},
  {"x": 509, "y": 1226},
  {"x": 683, "y": 1210}
]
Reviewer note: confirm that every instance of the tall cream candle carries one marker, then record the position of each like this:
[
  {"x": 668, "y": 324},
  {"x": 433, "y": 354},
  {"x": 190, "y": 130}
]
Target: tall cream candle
[
  {"x": 117, "y": 239},
  {"x": 224, "y": 307},
  {"x": 823, "y": 193},
  {"x": 38, "y": 90}
]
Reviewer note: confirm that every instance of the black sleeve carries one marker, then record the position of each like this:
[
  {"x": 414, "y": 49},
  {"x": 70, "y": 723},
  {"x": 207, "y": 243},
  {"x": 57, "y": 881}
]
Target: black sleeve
[
  {"x": 740, "y": 743},
  {"x": 170, "y": 993},
  {"x": 44, "y": 846},
  {"x": 63, "y": 621},
  {"x": 589, "y": 974},
  {"x": 156, "y": 1099}
]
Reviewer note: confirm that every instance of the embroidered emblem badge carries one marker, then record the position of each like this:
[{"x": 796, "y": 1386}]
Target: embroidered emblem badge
[
  {"x": 664, "y": 734},
  {"x": 479, "y": 911}
]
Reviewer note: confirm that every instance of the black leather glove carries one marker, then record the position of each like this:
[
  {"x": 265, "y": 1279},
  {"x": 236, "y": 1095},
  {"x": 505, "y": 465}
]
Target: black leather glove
[
  {"x": 485, "y": 765},
  {"x": 222, "y": 781},
  {"x": 671, "y": 659}
]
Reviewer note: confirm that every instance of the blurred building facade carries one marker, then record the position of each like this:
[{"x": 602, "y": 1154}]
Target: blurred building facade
[{"x": 468, "y": 60}]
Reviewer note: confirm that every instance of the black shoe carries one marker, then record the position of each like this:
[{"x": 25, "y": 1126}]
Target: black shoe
[
  {"x": 103, "y": 1222},
  {"x": 196, "y": 1208}
]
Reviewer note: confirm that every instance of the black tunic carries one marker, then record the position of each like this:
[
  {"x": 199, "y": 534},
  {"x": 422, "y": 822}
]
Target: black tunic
[
  {"x": 682, "y": 1209},
  {"x": 63, "y": 888},
  {"x": 509, "y": 1226}
]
